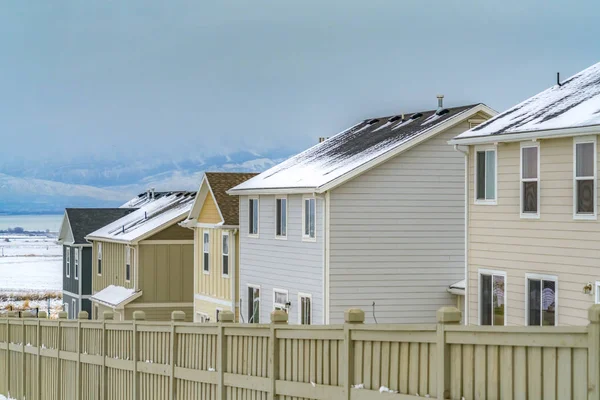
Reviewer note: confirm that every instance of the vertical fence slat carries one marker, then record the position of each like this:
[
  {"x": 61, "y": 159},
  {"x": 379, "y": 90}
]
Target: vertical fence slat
[
  {"x": 594, "y": 352},
  {"x": 445, "y": 316}
]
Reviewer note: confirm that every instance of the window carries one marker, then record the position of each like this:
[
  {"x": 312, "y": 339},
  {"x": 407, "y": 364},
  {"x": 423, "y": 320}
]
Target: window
[
  {"x": 76, "y": 270},
  {"x": 309, "y": 218},
  {"x": 281, "y": 218},
  {"x": 253, "y": 304},
  {"x": 68, "y": 261},
  {"x": 128, "y": 264},
  {"x": 485, "y": 176},
  {"x": 99, "y": 258},
  {"x": 530, "y": 180},
  {"x": 202, "y": 317},
  {"x": 584, "y": 193},
  {"x": 74, "y": 308},
  {"x": 541, "y": 300},
  {"x": 253, "y": 216},
  {"x": 66, "y": 309},
  {"x": 206, "y": 253},
  {"x": 280, "y": 299},
  {"x": 492, "y": 298},
  {"x": 226, "y": 254},
  {"x": 305, "y": 309},
  {"x": 597, "y": 292}
]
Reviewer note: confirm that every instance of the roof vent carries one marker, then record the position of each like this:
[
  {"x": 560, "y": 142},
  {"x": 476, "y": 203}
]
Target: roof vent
[
  {"x": 395, "y": 118},
  {"x": 442, "y": 111},
  {"x": 373, "y": 121},
  {"x": 415, "y": 116},
  {"x": 322, "y": 139},
  {"x": 440, "y": 98}
]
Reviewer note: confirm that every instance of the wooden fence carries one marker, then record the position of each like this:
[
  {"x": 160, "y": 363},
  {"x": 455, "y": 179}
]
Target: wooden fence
[{"x": 88, "y": 360}]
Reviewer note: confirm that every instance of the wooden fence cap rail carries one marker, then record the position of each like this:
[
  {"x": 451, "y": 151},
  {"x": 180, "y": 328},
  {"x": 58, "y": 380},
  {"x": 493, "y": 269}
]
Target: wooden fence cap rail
[
  {"x": 108, "y": 315},
  {"x": 279, "y": 317},
  {"x": 83, "y": 315},
  {"x": 63, "y": 315},
  {"x": 139, "y": 316},
  {"x": 226, "y": 316},
  {"x": 594, "y": 313},
  {"x": 448, "y": 315},
  {"x": 42, "y": 315},
  {"x": 177, "y": 316},
  {"x": 354, "y": 316}
]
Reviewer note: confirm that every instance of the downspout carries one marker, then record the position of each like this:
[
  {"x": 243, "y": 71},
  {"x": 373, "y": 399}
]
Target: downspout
[
  {"x": 466, "y": 300},
  {"x": 325, "y": 258},
  {"x": 232, "y": 268}
]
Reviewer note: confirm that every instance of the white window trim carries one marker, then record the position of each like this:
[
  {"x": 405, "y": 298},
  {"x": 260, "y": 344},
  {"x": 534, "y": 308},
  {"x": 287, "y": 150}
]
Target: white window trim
[
  {"x": 576, "y": 141},
  {"x": 287, "y": 296},
  {"x": 596, "y": 292},
  {"x": 281, "y": 237},
  {"x": 68, "y": 261},
  {"x": 307, "y": 238},
  {"x": 226, "y": 275},
  {"x": 300, "y": 296},
  {"x": 257, "y": 234},
  {"x": 74, "y": 310},
  {"x": 66, "y": 308},
  {"x": 525, "y": 145},
  {"x": 543, "y": 277},
  {"x": 76, "y": 262},
  {"x": 491, "y": 272},
  {"x": 204, "y": 271},
  {"x": 251, "y": 285},
  {"x": 128, "y": 261},
  {"x": 484, "y": 202},
  {"x": 218, "y": 310},
  {"x": 99, "y": 258},
  {"x": 202, "y": 317}
]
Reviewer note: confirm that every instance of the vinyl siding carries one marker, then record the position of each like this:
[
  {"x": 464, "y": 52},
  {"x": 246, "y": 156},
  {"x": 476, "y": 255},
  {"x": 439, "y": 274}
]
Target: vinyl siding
[
  {"x": 210, "y": 309},
  {"x": 113, "y": 266},
  {"x": 397, "y": 235},
  {"x": 555, "y": 244},
  {"x": 70, "y": 284},
  {"x": 173, "y": 232},
  {"x": 209, "y": 214},
  {"x": 292, "y": 264},
  {"x": 86, "y": 271}
]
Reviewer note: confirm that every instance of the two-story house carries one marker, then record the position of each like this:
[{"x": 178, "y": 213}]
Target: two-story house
[
  {"x": 145, "y": 260},
  {"x": 373, "y": 217},
  {"x": 214, "y": 218},
  {"x": 77, "y": 253},
  {"x": 533, "y": 231}
]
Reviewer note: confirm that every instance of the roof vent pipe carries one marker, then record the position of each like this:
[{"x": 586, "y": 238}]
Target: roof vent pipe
[
  {"x": 558, "y": 79},
  {"x": 152, "y": 193},
  {"x": 440, "y": 98}
]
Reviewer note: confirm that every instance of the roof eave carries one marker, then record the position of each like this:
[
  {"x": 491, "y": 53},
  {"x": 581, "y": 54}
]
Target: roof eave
[
  {"x": 528, "y": 135},
  {"x": 249, "y": 192},
  {"x": 120, "y": 305}
]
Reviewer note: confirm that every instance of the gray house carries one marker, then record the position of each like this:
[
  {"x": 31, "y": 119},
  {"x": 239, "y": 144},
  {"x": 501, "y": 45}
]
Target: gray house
[
  {"x": 373, "y": 217},
  {"x": 77, "y": 253}
]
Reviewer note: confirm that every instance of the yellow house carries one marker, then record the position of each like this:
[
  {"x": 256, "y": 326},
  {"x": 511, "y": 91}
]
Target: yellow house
[
  {"x": 144, "y": 260},
  {"x": 214, "y": 219},
  {"x": 532, "y": 208}
]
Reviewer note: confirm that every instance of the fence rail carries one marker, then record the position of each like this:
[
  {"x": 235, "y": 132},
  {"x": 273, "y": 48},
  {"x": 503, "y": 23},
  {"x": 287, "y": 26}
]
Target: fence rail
[{"x": 97, "y": 360}]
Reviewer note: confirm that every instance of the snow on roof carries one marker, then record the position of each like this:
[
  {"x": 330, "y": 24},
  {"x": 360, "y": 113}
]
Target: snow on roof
[
  {"x": 152, "y": 214},
  {"x": 115, "y": 296},
  {"x": 575, "y": 103},
  {"x": 347, "y": 150},
  {"x": 458, "y": 288}
]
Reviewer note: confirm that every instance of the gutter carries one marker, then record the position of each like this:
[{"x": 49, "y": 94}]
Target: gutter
[{"x": 466, "y": 291}]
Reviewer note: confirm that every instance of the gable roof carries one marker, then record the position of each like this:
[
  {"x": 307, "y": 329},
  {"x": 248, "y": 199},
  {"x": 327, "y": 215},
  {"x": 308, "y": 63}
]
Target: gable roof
[
  {"x": 355, "y": 150},
  {"x": 216, "y": 184},
  {"x": 157, "y": 212},
  {"x": 575, "y": 103},
  {"x": 83, "y": 221}
]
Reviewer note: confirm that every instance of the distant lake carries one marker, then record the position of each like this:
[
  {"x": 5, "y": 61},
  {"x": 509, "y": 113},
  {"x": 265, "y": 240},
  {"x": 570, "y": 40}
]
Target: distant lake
[{"x": 31, "y": 222}]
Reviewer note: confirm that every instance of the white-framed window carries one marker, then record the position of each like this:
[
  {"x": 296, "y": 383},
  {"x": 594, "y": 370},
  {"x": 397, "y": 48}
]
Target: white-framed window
[
  {"x": 492, "y": 297},
  {"x": 304, "y": 309},
  {"x": 281, "y": 215},
  {"x": 280, "y": 299},
  {"x": 486, "y": 180},
  {"x": 206, "y": 252},
  {"x": 74, "y": 308},
  {"x": 99, "y": 270},
  {"x": 597, "y": 292},
  {"x": 475, "y": 122},
  {"x": 225, "y": 270},
  {"x": 309, "y": 218},
  {"x": 541, "y": 292},
  {"x": 253, "y": 211},
  {"x": 202, "y": 317},
  {"x": 77, "y": 258},
  {"x": 530, "y": 180},
  {"x": 128, "y": 264},
  {"x": 68, "y": 261},
  {"x": 253, "y": 304},
  {"x": 584, "y": 178}
]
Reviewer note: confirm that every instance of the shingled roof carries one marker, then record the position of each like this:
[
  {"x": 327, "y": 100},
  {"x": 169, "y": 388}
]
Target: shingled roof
[
  {"x": 84, "y": 221},
  {"x": 220, "y": 183}
]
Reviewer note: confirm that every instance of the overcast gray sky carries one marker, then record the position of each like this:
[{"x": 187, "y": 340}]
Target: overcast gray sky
[{"x": 178, "y": 79}]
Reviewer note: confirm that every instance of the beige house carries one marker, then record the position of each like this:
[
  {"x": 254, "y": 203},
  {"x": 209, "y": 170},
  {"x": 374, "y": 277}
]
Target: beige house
[
  {"x": 145, "y": 260},
  {"x": 533, "y": 231},
  {"x": 214, "y": 219}
]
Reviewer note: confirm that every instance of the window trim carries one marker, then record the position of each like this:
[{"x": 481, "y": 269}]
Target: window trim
[
  {"x": 99, "y": 258},
  {"x": 300, "y": 296},
  {"x": 491, "y": 272},
  {"x": 68, "y": 261},
  {"x": 203, "y": 317},
  {"x": 205, "y": 270},
  {"x": 223, "y": 274},
  {"x": 542, "y": 277},
  {"x": 253, "y": 286},
  {"x": 308, "y": 238},
  {"x": 284, "y": 236},
  {"x": 596, "y": 292},
  {"x": 128, "y": 263},
  {"x": 257, "y": 234},
  {"x": 218, "y": 310},
  {"x": 576, "y": 141},
  {"x": 76, "y": 262},
  {"x": 524, "y": 215},
  {"x": 66, "y": 308},
  {"x": 485, "y": 202},
  {"x": 74, "y": 304},
  {"x": 287, "y": 296}
]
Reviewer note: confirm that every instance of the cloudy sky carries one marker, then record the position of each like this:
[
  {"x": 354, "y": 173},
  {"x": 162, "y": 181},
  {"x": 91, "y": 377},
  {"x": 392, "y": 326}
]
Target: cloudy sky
[{"x": 145, "y": 80}]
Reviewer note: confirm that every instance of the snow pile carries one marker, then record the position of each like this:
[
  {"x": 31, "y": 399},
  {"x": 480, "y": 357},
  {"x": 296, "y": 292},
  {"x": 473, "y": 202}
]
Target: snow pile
[
  {"x": 113, "y": 295},
  {"x": 6, "y": 398},
  {"x": 576, "y": 103}
]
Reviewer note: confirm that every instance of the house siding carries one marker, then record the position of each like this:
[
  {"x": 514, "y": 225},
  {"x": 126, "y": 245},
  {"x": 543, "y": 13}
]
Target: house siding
[
  {"x": 113, "y": 266},
  {"x": 209, "y": 213},
  {"x": 555, "y": 244},
  {"x": 397, "y": 235},
  {"x": 70, "y": 284},
  {"x": 292, "y": 264},
  {"x": 86, "y": 271}
]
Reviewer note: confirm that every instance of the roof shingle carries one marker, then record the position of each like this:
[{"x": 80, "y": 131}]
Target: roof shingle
[{"x": 220, "y": 183}]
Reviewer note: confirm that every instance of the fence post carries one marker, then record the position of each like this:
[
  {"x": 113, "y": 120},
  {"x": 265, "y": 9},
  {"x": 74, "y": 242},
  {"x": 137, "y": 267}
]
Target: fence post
[
  {"x": 83, "y": 315},
  {"x": 176, "y": 316},
  {"x": 278, "y": 317},
  {"x": 23, "y": 371},
  {"x": 594, "y": 352},
  {"x": 225, "y": 317},
  {"x": 137, "y": 316},
  {"x": 445, "y": 316},
  {"x": 41, "y": 315},
  {"x": 107, "y": 316},
  {"x": 61, "y": 315},
  {"x": 8, "y": 316},
  {"x": 352, "y": 316}
]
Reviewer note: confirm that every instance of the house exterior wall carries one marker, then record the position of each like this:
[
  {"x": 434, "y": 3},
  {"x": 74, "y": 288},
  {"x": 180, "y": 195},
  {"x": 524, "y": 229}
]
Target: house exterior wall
[
  {"x": 157, "y": 313},
  {"x": 292, "y": 264},
  {"x": 173, "y": 232},
  {"x": 209, "y": 213},
  {"x": 70, "y": 284},
  {"x": 397, "y": 235},
  {"x": 555, "y": 244},
  {"x": 86, "y": 271},
  {"x": 72, "y": 311},
  {"x": 113, "y": 266}
]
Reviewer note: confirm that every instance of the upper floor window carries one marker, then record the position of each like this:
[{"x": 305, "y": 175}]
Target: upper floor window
[
  {"x": 68, "y": 261},
  {"x": 225, "y": 253},
  {"x": 485, "y": 176},
  {"x": 253, "y": 216},
  {"x": 309, "y": 218},
  {"x": 584, "y": 196},
  {"x": 281, "y": 217},
  {"x": 99, "y": 258},
  {"x": 128, "y": 264},
  {"x": 492, "y": 298},
  {"x": 76, "y": 267},
  {"x": 305, "y": 309},
  {"x": 541, "y": 300},
  {"x": 206, "y": 253},
  {"x": 530, "y": 180}
]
